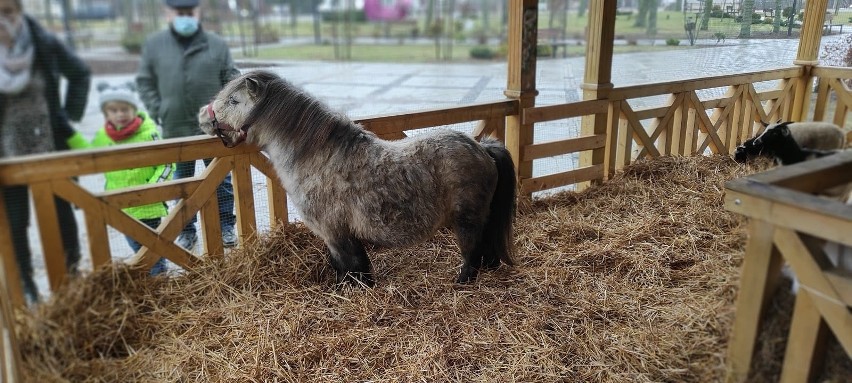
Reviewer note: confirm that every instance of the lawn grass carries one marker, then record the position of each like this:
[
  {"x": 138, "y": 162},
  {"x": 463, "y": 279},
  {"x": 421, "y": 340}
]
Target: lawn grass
[
  {"x": 399, "y": 45},
  {"x": 413, "y": 53}
]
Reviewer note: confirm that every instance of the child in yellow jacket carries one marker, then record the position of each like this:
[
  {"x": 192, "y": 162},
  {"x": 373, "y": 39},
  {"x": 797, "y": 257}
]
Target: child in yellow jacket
[{"x": 126, "y": 124}]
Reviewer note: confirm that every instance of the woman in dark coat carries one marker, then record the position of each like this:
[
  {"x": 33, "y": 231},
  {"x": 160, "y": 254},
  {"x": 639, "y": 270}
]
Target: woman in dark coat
[{"x": 33, "y": 119}]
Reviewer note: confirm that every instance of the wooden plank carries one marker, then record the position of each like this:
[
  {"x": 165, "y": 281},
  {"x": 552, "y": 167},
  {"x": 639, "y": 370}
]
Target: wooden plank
[
  {"x": 810, "y": 176},
  {"x": 276, "y": 195},
  {"x": 68, "y": 163},
  {"x": 625, "y": 142},
  {"x": 159, "y": 244},
  {"x": 678, "y": 128},
  {"x": 244, "y": 196},
  {"x": 574, "y": 176},
  {"x": 707, "y": 127},
  {"x": 821, "y": 104},
  {"x": 805, "y": 213},
  {"x": 842, "y": 283},
  {"x": 151, "y": 193},
  {"x": 48, "y": 228},
  {"x": 10, "y": 354},
  {"x": 649, "y": 113},
  {"x": 611, "y": 144},
  {"x": 832, "y": 71},
  {"x": 96, "y": 229},
  {"x": 399, "y": 122},
  {"x": 562, "y": 111},
  {"x": 10, "y": 265},
  {"x": 638, "y": 134},
  {"x": 760, "y": 268},
  {"x": 638, "y": 91},
  {"x": 806, "y": 342},
  {"x": 211, "y": 228},
  {"x": 760, "y": 114},
  {"x": 812, "y": 280},
  {"x": 559, "y": 147}
]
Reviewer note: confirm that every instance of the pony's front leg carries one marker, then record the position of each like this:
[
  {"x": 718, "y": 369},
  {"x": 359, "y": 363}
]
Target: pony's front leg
[{"x": 348, "y": 257}]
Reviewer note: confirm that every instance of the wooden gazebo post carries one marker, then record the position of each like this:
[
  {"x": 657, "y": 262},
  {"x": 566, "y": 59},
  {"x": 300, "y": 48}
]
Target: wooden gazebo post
[
  {"x": 523, "y": 32},
  {"x": 597, "y": 79},
  {"x": 807, "y": 57}
]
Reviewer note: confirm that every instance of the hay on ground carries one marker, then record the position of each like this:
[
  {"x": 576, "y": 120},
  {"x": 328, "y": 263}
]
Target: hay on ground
[{"x": 630, "y": 281}]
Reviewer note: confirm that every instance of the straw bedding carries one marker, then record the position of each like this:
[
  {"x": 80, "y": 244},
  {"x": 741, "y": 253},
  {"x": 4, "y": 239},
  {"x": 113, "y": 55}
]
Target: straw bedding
[{"x": 630, "y": 281}]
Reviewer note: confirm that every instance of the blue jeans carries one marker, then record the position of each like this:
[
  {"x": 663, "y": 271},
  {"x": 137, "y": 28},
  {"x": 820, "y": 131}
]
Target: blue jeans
[
  {"x": 224, "y": 194},
  {"x": 158, "y": 267}
]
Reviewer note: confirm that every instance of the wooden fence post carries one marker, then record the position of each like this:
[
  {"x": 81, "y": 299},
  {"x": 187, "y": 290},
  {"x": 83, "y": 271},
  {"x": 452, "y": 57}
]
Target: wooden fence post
[
  {"x": 523, "y": 31},
  {"x": 598, "y": 75}
]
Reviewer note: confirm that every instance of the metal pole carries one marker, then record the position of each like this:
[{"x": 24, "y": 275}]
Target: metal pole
[{"x": 66, "y": 23}]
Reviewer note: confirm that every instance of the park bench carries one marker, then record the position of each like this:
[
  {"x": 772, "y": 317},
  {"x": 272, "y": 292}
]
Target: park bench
[
  {"x": 555, "y": 39},
  {"x": 828, "y": 28}
]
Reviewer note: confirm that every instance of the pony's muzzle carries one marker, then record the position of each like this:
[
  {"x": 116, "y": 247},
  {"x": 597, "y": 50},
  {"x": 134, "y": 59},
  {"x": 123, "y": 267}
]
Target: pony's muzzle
[{"x": 221, "y": 129}]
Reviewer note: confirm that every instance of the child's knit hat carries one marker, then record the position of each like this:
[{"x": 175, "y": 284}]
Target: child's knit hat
[{"x": 125, "y": 92}]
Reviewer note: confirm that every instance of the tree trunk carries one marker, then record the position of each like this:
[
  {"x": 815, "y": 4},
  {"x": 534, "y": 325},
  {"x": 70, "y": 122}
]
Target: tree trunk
[
  {"x": 705, "y": 17},
  {"x": 652, "y": 18},
  {"x": 317, "y": 32},
  {"x": 642, "y": 14},
  {"x": 746, "y": 10},
  {"x": 776, "y": 20}
]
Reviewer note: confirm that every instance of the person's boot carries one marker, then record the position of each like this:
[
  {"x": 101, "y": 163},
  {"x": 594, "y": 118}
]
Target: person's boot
[{"x": 31, "y": 296}]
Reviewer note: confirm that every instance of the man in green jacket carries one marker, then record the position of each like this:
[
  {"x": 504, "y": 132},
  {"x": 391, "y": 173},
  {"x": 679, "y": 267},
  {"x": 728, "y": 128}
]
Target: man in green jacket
[{"x": 181, "y": 70}]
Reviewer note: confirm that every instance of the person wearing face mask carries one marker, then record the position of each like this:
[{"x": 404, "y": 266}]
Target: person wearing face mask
[
  {"x": 34, "y": 118},
  {"x": 182, "y": 68}
]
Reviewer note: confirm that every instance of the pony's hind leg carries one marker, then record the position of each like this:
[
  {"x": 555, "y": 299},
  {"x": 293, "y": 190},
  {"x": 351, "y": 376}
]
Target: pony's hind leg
[
  {"x": 349, "y": 259},
  {"x": 468, "y": 233}
]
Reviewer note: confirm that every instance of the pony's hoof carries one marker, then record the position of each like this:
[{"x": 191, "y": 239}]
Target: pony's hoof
[
  {"x": 467, "y": 275},
  {"x": 357, "y": 279}
]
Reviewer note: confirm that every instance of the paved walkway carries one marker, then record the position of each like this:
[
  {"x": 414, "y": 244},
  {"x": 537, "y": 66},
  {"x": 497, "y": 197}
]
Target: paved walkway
[{"x": 364, "y": 89}]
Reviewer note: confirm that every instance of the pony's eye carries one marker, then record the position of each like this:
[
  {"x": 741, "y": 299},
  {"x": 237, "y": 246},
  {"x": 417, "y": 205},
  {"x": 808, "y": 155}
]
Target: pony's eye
[{"x": 232, "y": 101}]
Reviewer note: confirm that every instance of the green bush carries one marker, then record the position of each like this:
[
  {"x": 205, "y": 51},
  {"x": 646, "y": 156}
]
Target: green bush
[
  {"x": 482, "y": 52},
  {"x": 544, "y": 50},
  {"x": 132, "y": 42},
  {"x": 673, "y": 42},
  {"x": 353, "y": 15}
]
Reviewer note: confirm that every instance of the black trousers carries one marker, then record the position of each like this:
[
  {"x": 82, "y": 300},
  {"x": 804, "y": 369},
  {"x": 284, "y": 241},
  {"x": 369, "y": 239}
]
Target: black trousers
[{"x": 17, "y": 203}]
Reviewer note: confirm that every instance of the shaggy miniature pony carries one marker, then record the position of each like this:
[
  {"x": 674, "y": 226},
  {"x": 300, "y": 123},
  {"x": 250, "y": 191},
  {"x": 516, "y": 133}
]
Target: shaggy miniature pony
[{"x": 352, "y": 187}]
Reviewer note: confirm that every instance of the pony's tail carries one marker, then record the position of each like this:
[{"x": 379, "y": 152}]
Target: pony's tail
[{"x": 497, "y": 236}]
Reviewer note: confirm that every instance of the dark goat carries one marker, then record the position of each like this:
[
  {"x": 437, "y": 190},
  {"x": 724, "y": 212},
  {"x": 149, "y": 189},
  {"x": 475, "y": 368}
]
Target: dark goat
[
  {"x": 778, "y": 141},
  {"x": 809, "y": 134}
]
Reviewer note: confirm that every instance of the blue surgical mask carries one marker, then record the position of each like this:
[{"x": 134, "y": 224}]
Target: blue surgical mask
[{"x": 185, "y": 25}]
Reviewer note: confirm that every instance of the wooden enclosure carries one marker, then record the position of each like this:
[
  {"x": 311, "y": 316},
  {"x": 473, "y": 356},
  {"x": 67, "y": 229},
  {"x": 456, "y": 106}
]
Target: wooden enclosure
[
  {"x": 789, "y": 224},
  {"x": 614, "y": 133}
]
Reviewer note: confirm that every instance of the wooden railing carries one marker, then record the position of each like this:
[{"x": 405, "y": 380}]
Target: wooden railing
[
  {"x": 53, "y": 175},
  {"x": 787, "y": 224},
  {"x": 685, "y": 124}
]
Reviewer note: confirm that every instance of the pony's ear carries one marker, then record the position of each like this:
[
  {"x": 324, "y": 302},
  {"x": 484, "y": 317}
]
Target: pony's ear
[{"x": 253, "y": 86}]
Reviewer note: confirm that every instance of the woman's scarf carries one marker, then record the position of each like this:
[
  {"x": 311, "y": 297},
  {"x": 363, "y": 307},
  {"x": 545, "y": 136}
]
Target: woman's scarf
[
  {"x": 125, "y": 132},
  {"x": 16, "y": 62}
]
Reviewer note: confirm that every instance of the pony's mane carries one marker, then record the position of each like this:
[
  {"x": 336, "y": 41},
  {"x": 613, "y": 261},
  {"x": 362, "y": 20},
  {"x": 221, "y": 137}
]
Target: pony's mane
[{"x": 307, "y": 122}]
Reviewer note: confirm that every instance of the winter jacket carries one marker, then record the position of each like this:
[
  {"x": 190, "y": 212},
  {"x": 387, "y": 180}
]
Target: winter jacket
[
  {"x": 174, "y": 83},
  {"x": 137, "y": 176},
  {"x": 54, "y": 60}
]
